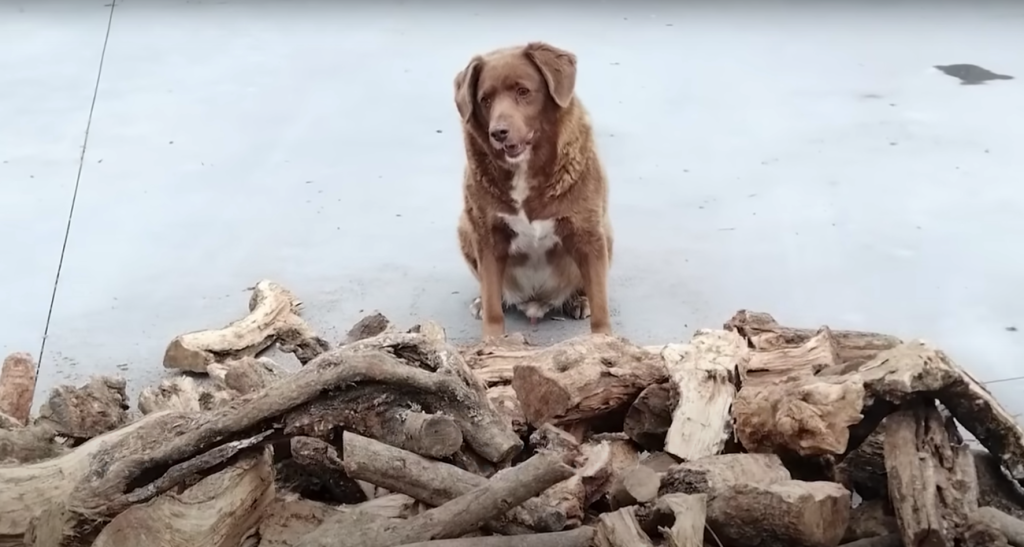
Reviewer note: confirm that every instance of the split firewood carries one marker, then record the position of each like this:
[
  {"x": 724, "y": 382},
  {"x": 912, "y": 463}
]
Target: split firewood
[
  {"x": 430, "y": 435},
  {"x": 372, "y": 325},
  {"x": 764, "y": 333},
  {"x": 783, "y": 514},
  {"x": 273, "y": 315},
  {"x": 704, "y": 374},
  {"x": 621, "y": 529},
  {"x": 580, "y": 537},
  {"x": 596, "y": 467},
  {"x": 30, "y": 444},
  {"x": 137, "y": 457},
  {"x": 871, "y": 519},
  {"x": 85, "y": 412},
  {"x": 506, "y": 490},
  {"x": 318, "y": 463},
  {"x": 507, "y": 404},
  {"x": 218, "y": 511},
  {"x": 681, "y": 519},
  {"x": 582, "y": 378},
  {"x": 650, "y": 415},
  {"x": 435, "y": 483},
  {"x": 819, "y": 353},
  {"x": 184, "y": 394},
  {"x": 247, "y": 374},
  {"x": 714, "y": 473},
  {"x": 17, "y": 386},
  {"x": 932, "y": 481}
]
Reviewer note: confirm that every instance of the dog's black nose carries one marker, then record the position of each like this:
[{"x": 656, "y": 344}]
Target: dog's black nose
[{"x": 499, "y": 135}]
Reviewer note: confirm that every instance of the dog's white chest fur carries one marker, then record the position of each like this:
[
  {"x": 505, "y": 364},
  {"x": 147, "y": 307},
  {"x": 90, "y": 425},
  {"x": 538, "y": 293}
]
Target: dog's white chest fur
[
  {"x": 533, "y": 238},
  {"x": 531, "y": 284}
]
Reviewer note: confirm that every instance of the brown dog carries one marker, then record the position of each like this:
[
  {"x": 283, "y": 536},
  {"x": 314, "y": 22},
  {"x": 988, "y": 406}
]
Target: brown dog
[{"x": 534, "y": 227}]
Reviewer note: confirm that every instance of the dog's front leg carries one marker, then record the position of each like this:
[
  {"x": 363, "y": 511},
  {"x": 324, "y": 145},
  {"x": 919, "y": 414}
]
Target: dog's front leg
[
  {"x": 493, "y": 260},
  {"x": 589, "y": 251}
]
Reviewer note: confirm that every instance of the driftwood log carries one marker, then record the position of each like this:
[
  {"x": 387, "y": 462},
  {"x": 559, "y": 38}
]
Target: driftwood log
[
  {"x": 273, "y": 317},
  {"x": 583, "y": 378}
]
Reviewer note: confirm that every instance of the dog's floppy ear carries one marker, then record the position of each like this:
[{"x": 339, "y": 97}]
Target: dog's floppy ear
[
  {"x": 465, "y": 87},
  {"x": 558, "y": 67}
]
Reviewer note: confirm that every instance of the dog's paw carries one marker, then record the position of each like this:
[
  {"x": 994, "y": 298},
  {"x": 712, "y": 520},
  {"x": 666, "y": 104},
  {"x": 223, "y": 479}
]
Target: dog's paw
[
  {"x": 476, "y": 309},
  {"x": 577, "y": 307}
]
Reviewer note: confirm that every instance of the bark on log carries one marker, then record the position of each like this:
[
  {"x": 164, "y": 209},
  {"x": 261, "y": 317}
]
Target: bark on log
[
  {"x": 288, "y": 518},
  {"x": 621, "y": 529},
  {"x": 932, "y": 483},
  {"x": 583, "y": 377},
  {"x": 650, "y": 415},
  {"x": 580, "y": 537},
  {"x": 854, "y": 348},
  {"x": 219, "y": 511},
  {"x": 247, "y": 374},
  {"x": 506, "y": 490},
  {"x": 17, "y": 386},
  {"x": 183, "y": 394},
  {"x": 714, "y": 473},
  {"x": 81, "y": 413},
  {"x": 435, "y": 483},
  {"x": 30, "y": 444},
  {"x": 273, "y": 315},
  {"x": 688, "y": 518},
  {"x": 783, "y": 514},
  {"x": 704, "y": 373},
  {"x": 136, "y": 463}
]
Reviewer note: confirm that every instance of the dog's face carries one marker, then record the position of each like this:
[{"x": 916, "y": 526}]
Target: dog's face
[{"x": 508, "y": 96}]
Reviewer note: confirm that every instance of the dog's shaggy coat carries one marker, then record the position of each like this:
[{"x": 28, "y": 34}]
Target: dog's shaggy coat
[{"x": 534, "y": 228}]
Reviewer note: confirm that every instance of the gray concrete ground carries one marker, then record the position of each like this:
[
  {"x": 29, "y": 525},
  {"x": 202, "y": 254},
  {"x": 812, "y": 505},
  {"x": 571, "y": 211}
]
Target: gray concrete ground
[{"x": 806, "y": 161}]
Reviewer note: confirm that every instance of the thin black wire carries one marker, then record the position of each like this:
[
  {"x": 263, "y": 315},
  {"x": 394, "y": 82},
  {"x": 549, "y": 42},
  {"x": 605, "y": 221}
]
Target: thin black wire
[{"x": 78, "y": 180}]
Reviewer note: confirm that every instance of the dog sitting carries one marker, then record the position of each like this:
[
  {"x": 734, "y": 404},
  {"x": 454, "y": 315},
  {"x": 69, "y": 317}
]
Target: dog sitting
[{"x": 534, "y": 227}]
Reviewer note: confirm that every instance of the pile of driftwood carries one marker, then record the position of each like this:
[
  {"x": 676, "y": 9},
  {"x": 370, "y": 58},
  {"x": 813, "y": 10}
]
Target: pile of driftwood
[{"x": 755, "y": 434}]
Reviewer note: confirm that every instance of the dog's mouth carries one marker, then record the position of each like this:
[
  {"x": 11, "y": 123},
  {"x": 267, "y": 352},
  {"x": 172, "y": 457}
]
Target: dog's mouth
[{"x": 514, "y": 151}]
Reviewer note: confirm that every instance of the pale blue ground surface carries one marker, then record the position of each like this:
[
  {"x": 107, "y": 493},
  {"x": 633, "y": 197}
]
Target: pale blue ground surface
[{"x": 804, "y": 161}]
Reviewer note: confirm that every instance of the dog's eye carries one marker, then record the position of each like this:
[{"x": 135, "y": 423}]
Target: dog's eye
[
  {"x": 485, "y": 101},
  {"x": 522, "y": 92}
]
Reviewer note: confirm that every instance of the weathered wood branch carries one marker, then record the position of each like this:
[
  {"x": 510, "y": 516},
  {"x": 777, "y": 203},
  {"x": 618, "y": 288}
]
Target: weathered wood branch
[
  {"x": 504, "y": 491},
  {"x": 273, "y": 316}
]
